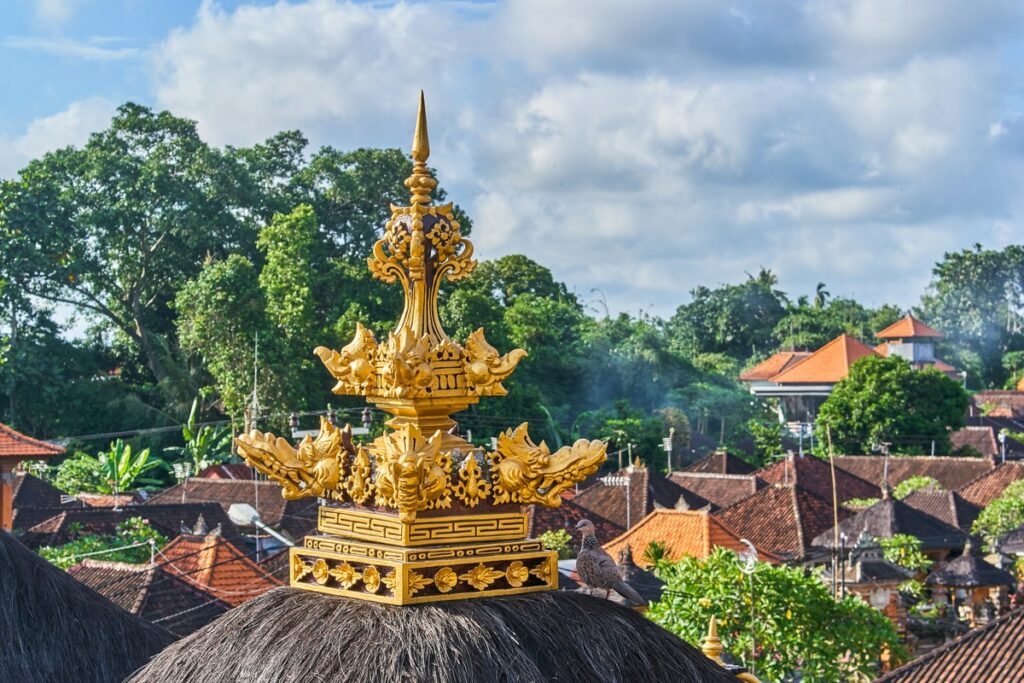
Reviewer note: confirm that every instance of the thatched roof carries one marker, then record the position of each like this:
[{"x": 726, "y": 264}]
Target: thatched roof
[
  {"x": 289, "y": 635},
  {"x": 889, "y": 517},
  {"x": 56, "y": 629},
  {"x": 970, "y": 570}
]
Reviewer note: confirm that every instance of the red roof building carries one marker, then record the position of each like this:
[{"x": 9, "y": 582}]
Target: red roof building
[
  {"x": 782, "y": 520},
  {"x": 684, "y": 532},
  {"x": 815, "y": 475},
  {"x": 991, "y": 485},
  {"x": 803, "y": 381},
  {"x": 210, "y": 563},
  {"x": 721, "y": 490},
  {"x": 228, "y": 470},
  {"x": 150, "y": 592},
  {"x": 15, "y": 447},
  {"x": 629, "y": 495}
]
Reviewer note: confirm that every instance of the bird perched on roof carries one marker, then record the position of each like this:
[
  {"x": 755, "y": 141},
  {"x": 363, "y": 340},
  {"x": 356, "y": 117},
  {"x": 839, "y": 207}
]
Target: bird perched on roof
[{"x": 597, "y": 569}]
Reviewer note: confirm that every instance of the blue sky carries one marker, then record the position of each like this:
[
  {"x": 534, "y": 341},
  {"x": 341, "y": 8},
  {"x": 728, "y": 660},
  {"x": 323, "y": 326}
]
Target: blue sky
[{"x": 635, "y": 148}]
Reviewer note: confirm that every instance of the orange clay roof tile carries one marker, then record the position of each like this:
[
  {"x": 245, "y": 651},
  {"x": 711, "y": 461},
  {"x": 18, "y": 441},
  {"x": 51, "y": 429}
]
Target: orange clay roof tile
[
  {"x": 684, "y": 532},
  {"x": 773, "y": 365},
  {"x": 827, "y": 365},
  {"x": 907, "y": 328}
]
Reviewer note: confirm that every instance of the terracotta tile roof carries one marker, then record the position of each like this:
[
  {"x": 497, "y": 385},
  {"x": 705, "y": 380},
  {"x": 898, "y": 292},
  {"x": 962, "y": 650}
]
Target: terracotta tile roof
[
  {"x": 108, "y": 500},
  {"x": 216, "y": 566},
  {"x": 721, "y": 462},
  {"x": 815, "y": 475},
  {"x": 981, "y": 439},
  {"x": 541, "y": 518},
  {"x": 56, "y": 526},
  {"x": 908, "y": 328},
  {"x": 994, "y": 652},
  {"x": 781, "y": 520},
  {"x": 150, "y": 592},
  {"x": 296, "y": 518},
  {"x": 227, "y": 470},
  {"x": 951, "y": 472},
  {"x": 721, "y": 490},
  {"x": 827, "y": 365},
  {"x": 646, "y": 491},
  {"x": 948, "y": 506},
  {"x": 991, "y": 485},
  {"x": 17, "y": 445},
  {"x": 1006, "y": 403},
  {"x": 684, "y": 532},
  {"x": 889, "y": 517},
  {"x": 773, "y": 365}
]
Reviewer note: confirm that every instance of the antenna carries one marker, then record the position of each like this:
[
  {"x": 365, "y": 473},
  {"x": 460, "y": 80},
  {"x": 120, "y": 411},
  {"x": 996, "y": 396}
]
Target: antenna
[{"x": 253, "y": 411}]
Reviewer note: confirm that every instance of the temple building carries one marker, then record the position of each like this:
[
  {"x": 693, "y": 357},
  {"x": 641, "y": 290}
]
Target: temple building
[{"x": 801, "y": 380}]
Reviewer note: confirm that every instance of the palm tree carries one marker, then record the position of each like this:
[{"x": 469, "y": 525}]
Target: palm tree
[{"x": 821, "y": 295}]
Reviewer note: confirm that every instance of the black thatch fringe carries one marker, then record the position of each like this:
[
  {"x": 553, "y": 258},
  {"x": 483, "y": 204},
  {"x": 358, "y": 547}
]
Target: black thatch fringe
[
  {"x": 291, "y": 636},
  {"x": 52, "y": 628}
]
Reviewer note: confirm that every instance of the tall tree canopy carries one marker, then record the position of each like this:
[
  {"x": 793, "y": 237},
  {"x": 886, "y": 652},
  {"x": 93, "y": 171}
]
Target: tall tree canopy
[{"x": 886, "y": 400}]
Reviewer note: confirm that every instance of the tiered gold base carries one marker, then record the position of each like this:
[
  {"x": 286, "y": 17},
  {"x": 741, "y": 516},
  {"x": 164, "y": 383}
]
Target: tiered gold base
[{"x": 375, "y": 556}]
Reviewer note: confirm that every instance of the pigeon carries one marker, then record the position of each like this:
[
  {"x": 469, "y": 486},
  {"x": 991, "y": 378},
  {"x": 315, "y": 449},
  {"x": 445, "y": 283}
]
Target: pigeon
[{"x": 597, "y": 569}]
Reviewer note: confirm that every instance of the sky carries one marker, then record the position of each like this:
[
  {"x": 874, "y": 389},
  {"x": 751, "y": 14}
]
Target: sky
[{"x": 638, "y": 149}]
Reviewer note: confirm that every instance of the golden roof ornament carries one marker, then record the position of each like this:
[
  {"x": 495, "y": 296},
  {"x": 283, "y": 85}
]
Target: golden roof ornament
[{"x": 420, "y": 514}]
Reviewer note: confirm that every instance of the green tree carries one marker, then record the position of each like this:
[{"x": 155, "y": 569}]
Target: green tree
[
  {"x": 976, "y": 297},
  {"x": 885, "y": 400},
  {"x": 117, "y": 224},
  {"x": 1002, "y": 515},
  {"x": 131, "y": 542},
  {"x": 204, "y": 446},
  {"x": 737, "y": 320},
  {"x": 780, "y": 608},
  {"x": 116, "y": 470},
  {"x": 915, "y": 483},
  {"x": 558, "y": 540},
  {"x": 767, "y": 438},
  {"x": 220, "y": 315},
  {"x": 905, "y": 550}
]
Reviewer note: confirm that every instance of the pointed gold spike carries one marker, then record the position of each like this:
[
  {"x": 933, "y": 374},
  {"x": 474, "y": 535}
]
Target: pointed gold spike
[
  {"x": 712, "y": 645},
  {"x": 420, "y": 140}
]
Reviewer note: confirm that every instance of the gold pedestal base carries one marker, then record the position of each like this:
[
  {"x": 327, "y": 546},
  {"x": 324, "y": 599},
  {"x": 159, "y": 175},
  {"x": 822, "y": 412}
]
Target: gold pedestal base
[{"x": 376, "y": 557}]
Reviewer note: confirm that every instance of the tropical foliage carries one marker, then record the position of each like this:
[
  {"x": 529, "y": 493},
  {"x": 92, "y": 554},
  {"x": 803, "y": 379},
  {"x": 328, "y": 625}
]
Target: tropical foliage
[
  {"x": 1002, "y": 515},
  {"x": 772, "y": 620},
  {"x": 191, "y": 268},
  {"x": 117, "y": 470},
  {"x": 885, "y": 400},
  {"x": 132, "y": 542},
  {"x": 204, "y": 446}
]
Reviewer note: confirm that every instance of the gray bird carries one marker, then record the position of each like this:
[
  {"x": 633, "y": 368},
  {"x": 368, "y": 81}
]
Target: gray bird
[{"x": 597, "y": 569}]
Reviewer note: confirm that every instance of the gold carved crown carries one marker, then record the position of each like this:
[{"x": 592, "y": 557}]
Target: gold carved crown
[{"x": 420, "y": 467}]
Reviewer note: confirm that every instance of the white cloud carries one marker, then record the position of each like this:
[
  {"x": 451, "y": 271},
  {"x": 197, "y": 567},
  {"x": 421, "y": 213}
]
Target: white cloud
[
  {"x": 645, "y": 147},
  {"x": 94, "y": 49},
  {"x": 54, "y": 11},
  {"x": 71, "y": 126}
]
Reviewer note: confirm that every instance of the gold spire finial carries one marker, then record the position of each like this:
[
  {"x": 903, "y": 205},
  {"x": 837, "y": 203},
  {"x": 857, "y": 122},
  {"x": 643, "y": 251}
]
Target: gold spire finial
[
  {"x": 419, "y": 484},
  {"x": 420, "y": 139},
  {"x": 712, "y": 646},
  {"x": 421, "y": 183}
]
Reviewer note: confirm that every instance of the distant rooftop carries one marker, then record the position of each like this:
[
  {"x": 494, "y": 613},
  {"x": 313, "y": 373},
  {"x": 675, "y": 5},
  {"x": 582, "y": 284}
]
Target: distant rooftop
[{"x": 908, "y": 328}]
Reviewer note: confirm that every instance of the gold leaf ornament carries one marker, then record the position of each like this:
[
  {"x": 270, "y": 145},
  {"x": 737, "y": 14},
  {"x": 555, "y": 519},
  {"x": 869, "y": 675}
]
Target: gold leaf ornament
[
  {"x": 320, "y": 571},
  {"x": 345, "y": 574},
  {"x": 445, "y": 579},
  {"x": 472, "y": 487},
  {"x": 371, "y": 579},
  {"x": 299, "y": 568},
  {"x": 418, "y": 582},
  {"x": 390, "y": 581},
  {"x": 481, "y": 576},
  {"x": 517, "y": 574},
  {"x": 542, "y": 571}
]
